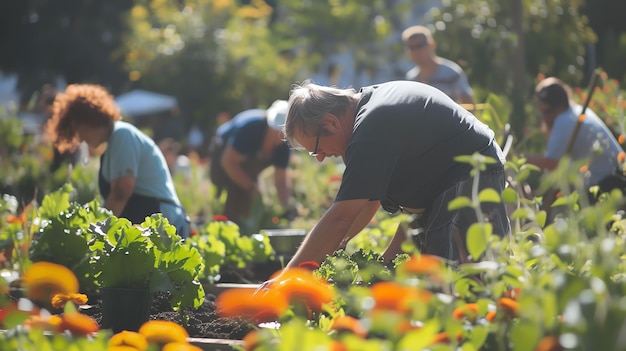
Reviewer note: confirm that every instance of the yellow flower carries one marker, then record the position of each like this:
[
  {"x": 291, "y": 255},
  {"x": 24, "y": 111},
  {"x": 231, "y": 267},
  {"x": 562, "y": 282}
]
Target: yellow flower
[
  {"x": 163, "y": 332},
  {"x": 59, "y": 300},
  {"x": 45, "y": 279},
  {"x": 180, "y": 346},
  {"x": 129, "y": 338}
]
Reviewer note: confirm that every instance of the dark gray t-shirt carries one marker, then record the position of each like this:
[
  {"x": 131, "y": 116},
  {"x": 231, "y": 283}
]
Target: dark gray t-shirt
[{"x": 406, "y": 135}]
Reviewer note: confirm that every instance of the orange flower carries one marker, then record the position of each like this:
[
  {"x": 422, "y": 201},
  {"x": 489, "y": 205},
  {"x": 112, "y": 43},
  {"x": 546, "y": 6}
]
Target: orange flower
[
  {"x": 621, "y": 139},
  {"x": 491, "y": 316},
  {"x": 349, "y": 324},
  {"x": 583, "y": 169},
  {"x": 180, "y": 346},
  {"x": 423, "y": 264},
  {"x": 541, "y": 76},
  {"x": 251, "y": 340},
  {"x": 336, "y": 345},
  {"x": 549, "y": 343},
  {"x": 469, "y": 311},
  {"x": 299, "y": 285},
  {"x": 395, "y": 297},
  {"x": 130, "y": 339},
  {"x": 581, "y": 117},
  {"x": 334, "y": 178},
  {"x": 78, "y": 323},
  {"x": 265, "y": 306},
  {"x": 163, "y": 332},
  {"x": 509, "y": 305},
  {"x": 59, "y": 300},
  {"x": 46, "y": 323},
  {"x": 45, "y": 279},
  {"x": 621, "y": 156}
]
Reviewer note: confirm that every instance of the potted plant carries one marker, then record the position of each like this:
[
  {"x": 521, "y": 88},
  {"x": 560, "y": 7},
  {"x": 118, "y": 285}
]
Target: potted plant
[{"x": 134, "y": 261}]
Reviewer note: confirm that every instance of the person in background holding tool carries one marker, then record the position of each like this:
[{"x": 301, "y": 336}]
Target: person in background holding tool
[{"x": 576, "y": 131}]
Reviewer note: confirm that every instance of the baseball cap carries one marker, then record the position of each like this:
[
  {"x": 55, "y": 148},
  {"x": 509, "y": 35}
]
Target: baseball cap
[{"x": 277, "y": 114}]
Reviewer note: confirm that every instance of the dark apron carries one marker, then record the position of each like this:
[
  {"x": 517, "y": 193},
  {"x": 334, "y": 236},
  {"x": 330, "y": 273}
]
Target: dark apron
[{"x": 138, "y": 206}]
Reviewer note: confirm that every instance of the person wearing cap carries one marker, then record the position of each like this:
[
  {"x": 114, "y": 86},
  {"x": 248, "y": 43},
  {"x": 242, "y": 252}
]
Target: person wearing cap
[
  {"x": 242, "y": 148},
  {"x": 434, "y": 70},
  {"x": 133, "y": 178},
  {"x": 398, "y": 141},
  {"x": 594, "y": 141}
]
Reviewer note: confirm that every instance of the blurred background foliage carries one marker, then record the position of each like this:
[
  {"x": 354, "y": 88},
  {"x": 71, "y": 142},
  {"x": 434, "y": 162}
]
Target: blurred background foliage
[{"x": 228, "y": 55}]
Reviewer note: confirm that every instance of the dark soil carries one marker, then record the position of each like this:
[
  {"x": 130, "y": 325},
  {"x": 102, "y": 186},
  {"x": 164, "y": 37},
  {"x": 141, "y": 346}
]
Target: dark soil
[{"x": 203, "y": 322}]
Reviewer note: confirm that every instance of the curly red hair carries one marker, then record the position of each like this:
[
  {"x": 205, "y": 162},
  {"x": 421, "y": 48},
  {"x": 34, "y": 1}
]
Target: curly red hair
[{"x": 80, "y": 104}]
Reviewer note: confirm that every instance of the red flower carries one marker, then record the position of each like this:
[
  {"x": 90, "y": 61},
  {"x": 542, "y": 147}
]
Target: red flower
[
  {"x": 309, "y": 265},
  {"x": 193, "y": 232},
  {"x": 220, "y": 218}
]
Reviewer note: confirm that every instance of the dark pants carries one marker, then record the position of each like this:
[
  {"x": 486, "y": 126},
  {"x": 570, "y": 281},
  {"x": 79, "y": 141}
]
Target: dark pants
[
  {"x": 238, "y": 201},
  {"x": 443, "y": 233}
]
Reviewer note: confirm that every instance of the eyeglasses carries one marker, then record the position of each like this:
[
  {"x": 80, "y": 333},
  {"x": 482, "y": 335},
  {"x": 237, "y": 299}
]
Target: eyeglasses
[
  {"x": 317, "y": 144},
  {"x": 418, "y": 46}
]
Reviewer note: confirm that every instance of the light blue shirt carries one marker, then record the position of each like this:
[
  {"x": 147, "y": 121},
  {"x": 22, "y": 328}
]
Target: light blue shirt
[
  {"x": 448, "y": 77},
  {"x": 131, "y": 152},
  {"x": 594, "y": 141}
]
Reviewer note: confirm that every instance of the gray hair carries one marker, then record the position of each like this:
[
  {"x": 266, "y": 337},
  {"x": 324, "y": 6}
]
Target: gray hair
[{"x": 308, "y": 105}]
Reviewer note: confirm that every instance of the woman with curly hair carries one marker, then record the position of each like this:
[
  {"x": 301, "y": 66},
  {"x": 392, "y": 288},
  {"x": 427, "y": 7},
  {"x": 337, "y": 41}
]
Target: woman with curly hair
[{"x": 133, "y": 179}]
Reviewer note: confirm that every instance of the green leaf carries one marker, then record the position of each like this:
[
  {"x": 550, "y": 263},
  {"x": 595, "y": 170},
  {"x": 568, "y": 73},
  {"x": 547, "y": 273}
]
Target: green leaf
[
  {"x": 509, "y": 195},
  {"x": 459, "y": 202},
  {"x": 489, "y": 195},
  {"x": 541, "y": 218},
  {"x": 520, "y": 213},
  {"x": 477, "y": 238}
]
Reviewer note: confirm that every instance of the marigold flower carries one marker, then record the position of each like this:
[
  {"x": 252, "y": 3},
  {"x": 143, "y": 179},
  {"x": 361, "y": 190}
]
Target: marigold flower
[
  {"x": 423, "y": 264},
  {"x": 621, "y": 138},
  {"x": 581, "y": 118},
  {"x": 491, "y": 316},
  {"x": 349, "y": 324},
  {"x": 264, "y": 306},
  {"x": 163, "y": 332},
  {"x": 509, "y": 305},
  {"x": 78, "y": 323},
  {"x": 46, "y": 323},
  {"x": 220, "y": 218},
  {"x": 395, "y": 297},
  {"x": 621, "y": 156},
  {"x": 469, "y": 311},
  {"x": 59, "y": 300},
  {"x": 300, "y": 285},
  {"x": 130, "y": 339},
  {"x": 180, "y": 346},
  {"x": 44, "y": 279},
  {"x": 549, "y": 343}
]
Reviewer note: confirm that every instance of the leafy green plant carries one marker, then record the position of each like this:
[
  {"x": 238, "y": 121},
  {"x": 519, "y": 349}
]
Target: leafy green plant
[
  {"x": 221, "y": 244},
  {"x": 63, "y": 234},
  {"x": 150, "y": 255}
]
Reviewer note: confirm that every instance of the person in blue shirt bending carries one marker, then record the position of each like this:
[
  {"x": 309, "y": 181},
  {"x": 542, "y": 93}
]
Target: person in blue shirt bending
[{"x": 242, "y": 148}]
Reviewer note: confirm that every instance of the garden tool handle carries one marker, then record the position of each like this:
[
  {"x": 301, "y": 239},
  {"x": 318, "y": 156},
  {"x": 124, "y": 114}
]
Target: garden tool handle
[{"x": 581, "y": 116}]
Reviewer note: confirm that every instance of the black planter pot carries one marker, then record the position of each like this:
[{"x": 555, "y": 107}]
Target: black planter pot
[{"x": 125, "y": 309}]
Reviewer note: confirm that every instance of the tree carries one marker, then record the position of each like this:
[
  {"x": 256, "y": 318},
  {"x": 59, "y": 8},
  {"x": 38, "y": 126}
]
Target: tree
[
  {"x": 483, "y": 34},
  {"x": 75, "y": 39}
]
